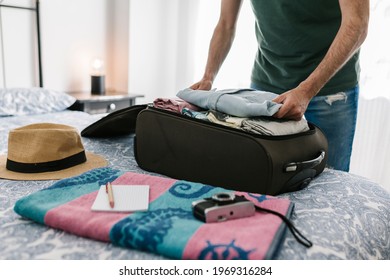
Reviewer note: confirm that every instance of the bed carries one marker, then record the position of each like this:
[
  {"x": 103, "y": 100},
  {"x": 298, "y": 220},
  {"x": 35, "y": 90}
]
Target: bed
[{"x": 345, "y": 216}]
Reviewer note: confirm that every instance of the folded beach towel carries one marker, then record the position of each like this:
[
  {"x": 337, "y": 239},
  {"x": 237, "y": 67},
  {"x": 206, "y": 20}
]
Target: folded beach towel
[{"x": 168, "y": 227}]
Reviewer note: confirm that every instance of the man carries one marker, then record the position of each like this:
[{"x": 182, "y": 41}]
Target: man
[{"x": 308, "y": 52}]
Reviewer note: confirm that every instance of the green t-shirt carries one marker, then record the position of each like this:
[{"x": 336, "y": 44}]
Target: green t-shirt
[{"x": 293, "y": 37}]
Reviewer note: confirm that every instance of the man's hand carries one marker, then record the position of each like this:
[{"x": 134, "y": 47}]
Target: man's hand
[
  {"x": 294, "y": 102},
  {"x": 202, "y": 85},
  {"x": 352, "y": 33}
]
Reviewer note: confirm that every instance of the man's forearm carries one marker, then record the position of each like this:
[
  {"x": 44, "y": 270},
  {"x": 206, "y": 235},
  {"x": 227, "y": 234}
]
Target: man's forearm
[
  {"x": 223, "y": 37},
  {"x": 352, "y": 33},
  {"x": 219, "y": 48}
]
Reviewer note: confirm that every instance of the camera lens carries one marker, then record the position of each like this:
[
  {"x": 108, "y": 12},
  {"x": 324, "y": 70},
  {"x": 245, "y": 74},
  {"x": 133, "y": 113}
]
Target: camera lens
[{"x": 223, "y": 197}]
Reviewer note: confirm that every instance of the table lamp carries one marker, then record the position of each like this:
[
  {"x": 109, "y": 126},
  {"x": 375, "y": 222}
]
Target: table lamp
[{"x": 97, "y": 77}]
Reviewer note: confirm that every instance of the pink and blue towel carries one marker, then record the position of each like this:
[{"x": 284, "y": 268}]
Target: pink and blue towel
[{"x": 168, "y": 228}]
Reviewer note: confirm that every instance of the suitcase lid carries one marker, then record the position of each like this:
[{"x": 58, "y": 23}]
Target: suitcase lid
[{"x": 117, "y": 123}]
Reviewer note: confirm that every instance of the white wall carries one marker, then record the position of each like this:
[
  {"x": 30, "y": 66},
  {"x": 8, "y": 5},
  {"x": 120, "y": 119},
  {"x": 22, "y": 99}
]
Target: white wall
[
  {"x": 16, "y": 40},
  {"x": 73, "y": 32}
]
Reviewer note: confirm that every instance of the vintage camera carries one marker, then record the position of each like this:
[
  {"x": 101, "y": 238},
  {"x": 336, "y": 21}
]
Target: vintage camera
[{"x": 221, "y": 207}]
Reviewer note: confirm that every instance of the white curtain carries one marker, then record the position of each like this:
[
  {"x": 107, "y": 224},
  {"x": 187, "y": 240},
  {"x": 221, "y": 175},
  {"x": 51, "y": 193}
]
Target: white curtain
[
  {"x": 237, "y": 67},
  {"x": 161, "y": 46},
  {"x": 169, "y": 42},
  {"x": 371, "y": 150}
]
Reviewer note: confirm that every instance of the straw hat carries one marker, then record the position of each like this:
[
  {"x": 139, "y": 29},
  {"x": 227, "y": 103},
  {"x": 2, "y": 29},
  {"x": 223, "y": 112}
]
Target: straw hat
[{"x": 46, "y": 151}]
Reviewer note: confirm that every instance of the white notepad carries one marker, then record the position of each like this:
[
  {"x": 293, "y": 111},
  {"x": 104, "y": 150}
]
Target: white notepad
[{"x": 127, "y": 198}]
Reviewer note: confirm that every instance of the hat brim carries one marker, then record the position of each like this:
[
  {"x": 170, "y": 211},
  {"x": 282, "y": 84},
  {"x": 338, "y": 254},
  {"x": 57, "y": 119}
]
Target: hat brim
[{"x": 93, "y": 161}]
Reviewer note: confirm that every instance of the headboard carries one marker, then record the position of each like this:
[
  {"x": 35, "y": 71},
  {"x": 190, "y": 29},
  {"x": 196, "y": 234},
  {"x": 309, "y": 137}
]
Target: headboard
[{"x": 36, "y": 48}]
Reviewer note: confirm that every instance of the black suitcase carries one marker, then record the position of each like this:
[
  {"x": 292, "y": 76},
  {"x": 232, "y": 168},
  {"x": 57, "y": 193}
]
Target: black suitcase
[{"x": 190, "y": 149}]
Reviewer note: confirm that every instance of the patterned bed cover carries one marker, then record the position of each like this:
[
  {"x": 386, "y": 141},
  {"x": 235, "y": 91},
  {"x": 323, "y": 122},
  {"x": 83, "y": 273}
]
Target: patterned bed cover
[{"x": 344, "y": 215}]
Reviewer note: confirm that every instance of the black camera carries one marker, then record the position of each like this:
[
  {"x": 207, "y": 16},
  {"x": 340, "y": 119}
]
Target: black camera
[{"x": 221, "y": 207}]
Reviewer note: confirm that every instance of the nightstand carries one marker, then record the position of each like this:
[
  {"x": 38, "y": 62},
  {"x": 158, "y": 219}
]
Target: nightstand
[{"x": 96, "y": 104}]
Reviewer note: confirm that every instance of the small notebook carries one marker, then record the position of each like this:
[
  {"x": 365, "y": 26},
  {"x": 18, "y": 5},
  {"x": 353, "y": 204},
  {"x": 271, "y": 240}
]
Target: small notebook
[{"x": 127, "y": 198}]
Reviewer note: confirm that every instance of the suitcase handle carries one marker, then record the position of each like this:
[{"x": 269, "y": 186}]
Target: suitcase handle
[{"x": 297, "y": 166}]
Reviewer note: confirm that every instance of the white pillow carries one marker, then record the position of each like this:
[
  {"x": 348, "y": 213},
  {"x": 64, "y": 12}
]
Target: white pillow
[{"x": 32, "y": 101}]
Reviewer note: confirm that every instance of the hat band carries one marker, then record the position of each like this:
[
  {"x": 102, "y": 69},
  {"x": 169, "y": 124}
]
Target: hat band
[{"x": 48, "y": 166}]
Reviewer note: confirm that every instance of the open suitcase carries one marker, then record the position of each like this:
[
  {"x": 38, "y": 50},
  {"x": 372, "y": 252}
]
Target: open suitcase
[
  {"x": 190, "y": 149},
  {"x": 185, "y": 148}
]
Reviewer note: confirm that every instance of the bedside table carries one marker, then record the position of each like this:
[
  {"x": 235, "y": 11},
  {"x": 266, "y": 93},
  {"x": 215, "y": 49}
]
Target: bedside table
[{"x": 96, "y": 104}]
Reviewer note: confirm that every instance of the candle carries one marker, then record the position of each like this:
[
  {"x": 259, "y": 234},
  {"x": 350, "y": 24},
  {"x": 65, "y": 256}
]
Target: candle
[{"x": 97, "y": 77}]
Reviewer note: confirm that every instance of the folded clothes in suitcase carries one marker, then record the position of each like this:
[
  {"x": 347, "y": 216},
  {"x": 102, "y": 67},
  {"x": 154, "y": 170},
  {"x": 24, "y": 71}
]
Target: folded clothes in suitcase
[
  {"x": 189, "y": 149},
  {"x": 185, "y": 148}
]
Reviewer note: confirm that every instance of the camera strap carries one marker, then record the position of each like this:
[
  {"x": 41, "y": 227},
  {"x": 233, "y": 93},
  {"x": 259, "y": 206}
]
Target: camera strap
[{"x": 296, "y": 233}]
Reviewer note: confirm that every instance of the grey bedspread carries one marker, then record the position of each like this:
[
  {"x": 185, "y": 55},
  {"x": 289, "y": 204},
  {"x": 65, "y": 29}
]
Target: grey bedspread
[{"x": 344, "y": 215}]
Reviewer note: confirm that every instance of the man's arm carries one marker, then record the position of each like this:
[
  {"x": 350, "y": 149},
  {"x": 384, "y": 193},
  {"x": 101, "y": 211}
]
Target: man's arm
[
  {"x": 352, "y": 33},
  {"x": 220, "y": 43}
]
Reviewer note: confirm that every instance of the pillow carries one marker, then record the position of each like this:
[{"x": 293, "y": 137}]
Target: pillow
[{"x": 31, "y": 101}]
